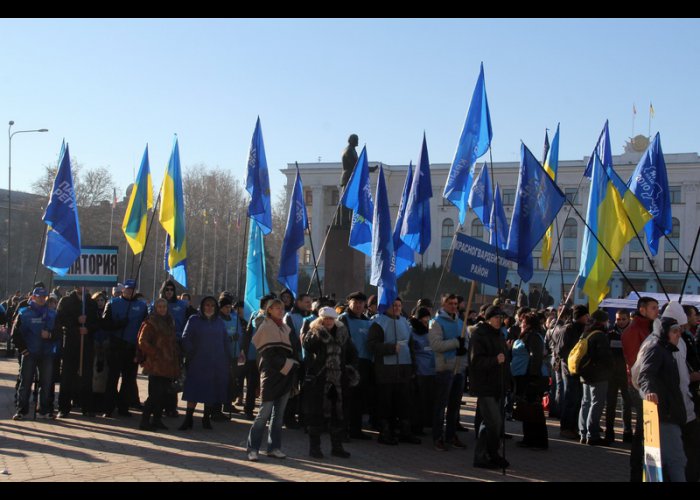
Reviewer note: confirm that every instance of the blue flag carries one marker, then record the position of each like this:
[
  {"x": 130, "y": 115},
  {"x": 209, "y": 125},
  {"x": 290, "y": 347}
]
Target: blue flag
[
  {"x": 537, "y": 201},
  {"x": 358, "y": 198},
  {"x": 499, "y": 229},
  {"x": 481, "y": 197},
  {"x": 297, "y": 223},
  {"x": 415, "y": 230},
  {"x": 602, "y": 147},
  {"x": 258, "y": 182},
  {"x": 383, "y": 258},
  {"x": 405, "y": 258},
  {"x": 63, "y": 236},
  {"x": 649, "y": 183},
  {"x": 256, "y": 277},
  {"x": 474, "y": 142}
]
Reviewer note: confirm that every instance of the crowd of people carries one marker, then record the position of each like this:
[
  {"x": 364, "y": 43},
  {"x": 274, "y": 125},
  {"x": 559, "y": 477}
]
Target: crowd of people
[{"x": 323, "y": 366}]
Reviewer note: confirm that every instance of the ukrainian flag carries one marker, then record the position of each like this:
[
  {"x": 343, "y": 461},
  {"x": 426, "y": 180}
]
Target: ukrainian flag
[
  {"x": 551, "y": 163},
  {"x": 141, "y": 199},
  {"x": 172, "y": 218},
  {"x": 616, "y": 216}
]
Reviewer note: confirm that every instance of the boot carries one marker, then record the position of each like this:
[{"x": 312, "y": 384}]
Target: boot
[
  {"x": 337, "y": 449},
  {"x": 187, "y": 424},
  {"x": 206, "y": 417},
  {"x": 385, "y": 435},
  {"x": 145, "y": 424},
  {"x": 406, "y": 436},
  {"x": 315, "y": 443}
]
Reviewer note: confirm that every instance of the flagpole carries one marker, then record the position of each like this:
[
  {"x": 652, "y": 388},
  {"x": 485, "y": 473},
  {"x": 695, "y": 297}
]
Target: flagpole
[
  {"x": 675, "y": 248},
  {"x": 153, "y": 216},
  {"x": 605, "y": 249},
  {"x": 41, "y": 246},
  {"x": 651, "y": 262},
  {"x": 126, "y": 257},
  {"x": 204, "y": 246},
  {"x": 228, "y": 234},
  {"x": 214, "y": 289},
  {"x": 650, "y": 108},
  {"x": 155, "y": 265},
  {"x": 240, "y": 266},
  {"x": 444, "y": 266},
  {"x": 495, "y": 221},
  {"x": 313, "y": 254},
  {"x": 325, "y": 240},
  {"x": 111, "y": 223},
  {"x": 692, "y": 255}
]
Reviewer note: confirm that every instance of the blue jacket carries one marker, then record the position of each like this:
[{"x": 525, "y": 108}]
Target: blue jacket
[
  {"x": 423, "y": 353},
  {"x": 27, "y": 331},
  {"x": 234, "y": 332},
  {"x": 358, "y": 328},
  {"x": 124, "y": 317}
]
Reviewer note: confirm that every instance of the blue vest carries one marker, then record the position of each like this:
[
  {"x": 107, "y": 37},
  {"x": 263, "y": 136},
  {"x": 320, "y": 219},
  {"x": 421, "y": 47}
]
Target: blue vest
[
  {"x": 32, "y": 323},
  {"x": 298, "y": 322},
  {"x": 252, "y": 353},
  {"x": 358, "y": 332},
  {"x": 451, "y": 329},
  {"x": 425, "y": 359},
  {"x": 137, "y": 312},
  {"x": 395, "y": 330}
]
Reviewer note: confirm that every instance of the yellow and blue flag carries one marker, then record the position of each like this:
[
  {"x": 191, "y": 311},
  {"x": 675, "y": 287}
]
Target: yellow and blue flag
[
  {"x": 172, "y": 218},
  {"x": 551, "y": 163},
  {"x": 63, "y": 236},
  {"x": 141, "y": 199},
  {"x": 615, "y": 214}
]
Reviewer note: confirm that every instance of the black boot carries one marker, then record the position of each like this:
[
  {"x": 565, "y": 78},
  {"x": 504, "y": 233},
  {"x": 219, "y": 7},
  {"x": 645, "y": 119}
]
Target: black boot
[
  {"x": 406, "y": 436},
  {"x": 385, "y": 435},
  {"x": 145, "y": 424},
  {"x": 337, "y": 449},
  {"x": 206, "y": 417},
  {"x": 315, "y": 443},
  {"x": 187, "y": 424}
]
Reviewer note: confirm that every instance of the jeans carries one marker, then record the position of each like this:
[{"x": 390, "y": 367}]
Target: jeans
[
  {"x": 672, "y": 455},
  {"x": 572, "y": 403},
  {"x": 615, "y": 384},
  {"x": 448, "y": 394},
  {"x": 275, "y": 409},
  {"x": 556, "y": 393},
  {"x": 490, "y": 429},
  {"x": 30, "y": 363},
  {"x": 592, "y": 404}
]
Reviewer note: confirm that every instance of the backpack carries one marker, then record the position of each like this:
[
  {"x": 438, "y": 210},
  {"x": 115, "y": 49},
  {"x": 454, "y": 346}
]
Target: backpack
[{"x": 580, "y": 357}]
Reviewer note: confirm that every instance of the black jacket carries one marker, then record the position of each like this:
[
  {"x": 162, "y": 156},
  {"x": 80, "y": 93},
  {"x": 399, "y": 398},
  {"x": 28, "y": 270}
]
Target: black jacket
[
  {"x": 572, "y": 332},
  {"x": 658, "y": 373},
  {"x": 486, "y": 376},
  {"x": 68, "y": 310},
  {"x": 600, "y": 367}
]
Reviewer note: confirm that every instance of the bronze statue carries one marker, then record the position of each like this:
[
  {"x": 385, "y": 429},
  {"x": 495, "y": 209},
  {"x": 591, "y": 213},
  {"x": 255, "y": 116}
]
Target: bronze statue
[{"x": 349, "y": 159}]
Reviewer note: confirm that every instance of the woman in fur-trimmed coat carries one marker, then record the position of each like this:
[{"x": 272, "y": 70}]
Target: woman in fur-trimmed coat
[{"x": 330, "y": 370}]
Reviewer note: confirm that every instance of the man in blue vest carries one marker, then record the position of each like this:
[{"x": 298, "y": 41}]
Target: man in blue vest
[
  {"x": 294, "y": 320},
  {"x": 449, "y": 347},
  {"x": 388, "y": 340},
  {"x": 357, "y": 324},
  {"x": 33, "y": 335},
  {"x": 122, "y": 318}
]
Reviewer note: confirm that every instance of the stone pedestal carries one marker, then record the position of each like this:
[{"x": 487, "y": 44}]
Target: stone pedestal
[{"x": 344, "y": 266}]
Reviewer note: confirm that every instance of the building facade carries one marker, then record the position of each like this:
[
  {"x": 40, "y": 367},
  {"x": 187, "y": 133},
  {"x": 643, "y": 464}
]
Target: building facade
[{"x": 321, "y": 194}]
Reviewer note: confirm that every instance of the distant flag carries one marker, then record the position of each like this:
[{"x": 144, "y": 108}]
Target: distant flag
[
  {"x": 481, "y": 197},
  {"x": 258, "y": 182},
  {"x": 546, "y": 147},
  {"x": 140, "y": 201},
  {"x": 551, "y": 164},
  {"x": 634, "y": 109},
  {"x": 63, "y": 235},
  {"x": 651, "y": 110},
  {"x": 473, "y": 143},
  {"x": 358, "y": 198},
  {"x": 602, "y": 147},
  {"x": 537, "y": 201},
  {"x": 297, "y": 223},
  {"x": 383, "y": 258},
  {"x": 612, "y": 209},
  {"x": 649, "y": 183},
  {"x": 256, "y": 273},
  {"x": 405, "y": 258},
  {"x": 415, "y": 230},
  {"x": 114, "y": 198},
  {"x": 172, "y": 218},
  {"x": 499, "y": 223}
]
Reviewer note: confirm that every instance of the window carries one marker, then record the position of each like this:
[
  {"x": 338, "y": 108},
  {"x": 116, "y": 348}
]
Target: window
[
  {"x": 508, "y": 197},
  {"x": 570, "y": 229},
  {"x": 307, "y": 256},
  {"x": 308, "y": 197},
  {"x": 443, "y": 256},
  {"x": 675, "y": 194},
  {"x": 636, "y": 263},
  {"x": 635, "y": 245},
  {"x": 671, "y": 262},
  {"x": 448, "y": 228},
  {"x": 477, "y": 229},
  {"x": 334, "y": 197},
  {"x": 569, "y": 261},
  {"x": 537, "y": 262},
  {"x": 675, "y": 229},
  {"x": 571, "y": 195}
]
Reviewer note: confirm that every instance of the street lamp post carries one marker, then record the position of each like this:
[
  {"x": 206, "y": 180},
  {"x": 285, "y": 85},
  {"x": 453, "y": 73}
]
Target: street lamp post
[{"x": 11, "y": 134}]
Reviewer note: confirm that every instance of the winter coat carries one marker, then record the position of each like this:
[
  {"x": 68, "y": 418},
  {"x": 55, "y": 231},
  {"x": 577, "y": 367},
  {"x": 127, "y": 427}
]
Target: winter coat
[
  {"x": 330, "y": 368},
  {"x": 276, "y": 362},
  {"x": 658, "y": 373},
  {"x": 423, "y": 357},
  {"x": 633, "y": 336},
  {"x": 572, "y": 332},
  {"x": 26, "y": 332},
  {"x": 205, "y": 345},
  {"x": 487, "y": 377},
  {"x": 157, "y": 341},
  {"x": 67, "y": 313},
  {"x": 600, "y": 367}
]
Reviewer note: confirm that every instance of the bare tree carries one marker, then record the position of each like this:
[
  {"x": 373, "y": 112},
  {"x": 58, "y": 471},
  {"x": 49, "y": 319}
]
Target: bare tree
[{"x": 91, "y": 186}]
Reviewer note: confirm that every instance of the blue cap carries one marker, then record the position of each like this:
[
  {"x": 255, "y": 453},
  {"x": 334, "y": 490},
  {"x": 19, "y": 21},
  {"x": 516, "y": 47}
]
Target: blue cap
[
  {"x": 40, "y": 292},
  {"x": 130, "y": 284}
]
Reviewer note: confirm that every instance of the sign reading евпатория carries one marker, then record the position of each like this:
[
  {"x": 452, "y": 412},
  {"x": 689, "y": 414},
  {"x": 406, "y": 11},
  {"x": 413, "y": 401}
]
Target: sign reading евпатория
[
  {"x": 96, "y": 266},
  {"x": 476, "y": 260}
]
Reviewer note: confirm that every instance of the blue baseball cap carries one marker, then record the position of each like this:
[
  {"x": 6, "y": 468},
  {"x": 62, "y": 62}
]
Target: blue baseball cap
[
  {"x": 40, "y": 292},
  {"x": 130, "y": 284}
]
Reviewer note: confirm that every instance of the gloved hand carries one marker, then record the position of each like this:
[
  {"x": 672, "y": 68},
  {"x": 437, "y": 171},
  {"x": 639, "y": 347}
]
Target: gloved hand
[
  {"x": 461, "y": 351},
  {"x": 461, "y": 341}
]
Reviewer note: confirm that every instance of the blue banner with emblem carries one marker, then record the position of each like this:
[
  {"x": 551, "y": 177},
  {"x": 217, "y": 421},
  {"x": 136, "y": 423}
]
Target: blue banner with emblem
[{"x": 476, "y": 260}]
